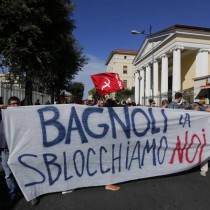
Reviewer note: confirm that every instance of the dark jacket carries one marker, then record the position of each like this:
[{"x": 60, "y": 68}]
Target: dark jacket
[
  {"x": 3, "y": 143},
  {"x": 174, "y": 105}
]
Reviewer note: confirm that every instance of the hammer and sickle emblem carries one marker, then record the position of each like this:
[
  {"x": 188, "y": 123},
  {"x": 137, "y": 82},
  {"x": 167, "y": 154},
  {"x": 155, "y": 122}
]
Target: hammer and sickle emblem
[{"x": 106, "y": 83}]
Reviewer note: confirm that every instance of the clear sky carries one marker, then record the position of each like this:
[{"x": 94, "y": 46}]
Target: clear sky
[{"x": 105, "y": 25}]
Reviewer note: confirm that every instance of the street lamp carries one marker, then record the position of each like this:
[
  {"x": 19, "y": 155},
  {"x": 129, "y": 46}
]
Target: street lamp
[
  {"x": 143, "y": 31},
  {"x": 135, "y": 32},
  {"x": 138, "y": 32}
]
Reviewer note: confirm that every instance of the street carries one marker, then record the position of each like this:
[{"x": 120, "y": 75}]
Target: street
[{"x": 183, "y": 191}]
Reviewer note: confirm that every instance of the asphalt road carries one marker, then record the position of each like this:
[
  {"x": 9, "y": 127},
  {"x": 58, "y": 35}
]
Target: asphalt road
[{"x": 183, "y": 191}]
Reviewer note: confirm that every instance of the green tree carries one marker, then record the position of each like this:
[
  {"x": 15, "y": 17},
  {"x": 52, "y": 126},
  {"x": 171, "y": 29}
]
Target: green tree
[
  {"x": 125, "y": 94},
  {"x": 94, "y": 93},
  {"x": 77, "y": 91},
  {"x": 37, "y": 43}
]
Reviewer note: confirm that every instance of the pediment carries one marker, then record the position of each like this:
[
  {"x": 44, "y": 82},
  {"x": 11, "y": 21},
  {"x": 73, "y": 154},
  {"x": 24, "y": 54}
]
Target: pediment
[
  {"x": 149, "y": 46},
  {"x": 151, "y": 43}
]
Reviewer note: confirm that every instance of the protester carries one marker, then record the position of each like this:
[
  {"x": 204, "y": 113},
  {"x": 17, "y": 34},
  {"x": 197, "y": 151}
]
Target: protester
[
  {"x": 202, "y": 100},
  {"x": 85, "y": 102},
  {"x": 1, "y": 100},
  {"x": 110, "y": 103},
  {"x": 13, "y": 189},
  {"x": 165, "y": 103},
  {"x": 176, "y": 104},
  {"x": 118, "y": 102},
  {"x": 202, "y": 103},
  {"x": 48, "y": 102},
  {"x": 151, "y": 102},
  {"x": 37, "y": 102},
  {"x": 123, "y": 103},
  {"x": 196, "y": 106},
  {"x": 100, "y": 103},
  {"x": 133, "y": 103},
  {"x": 129, "y": 102},
  {"x": 207, "y": 109},
  {"x": 93, "y": 102}
]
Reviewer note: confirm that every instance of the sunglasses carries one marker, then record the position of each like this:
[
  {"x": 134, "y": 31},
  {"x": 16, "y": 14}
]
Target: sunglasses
[{"x": 14, "y": 103}]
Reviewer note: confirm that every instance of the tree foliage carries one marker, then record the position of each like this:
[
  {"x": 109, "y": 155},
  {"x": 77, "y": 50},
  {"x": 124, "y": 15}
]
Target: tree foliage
[
  {"x": 125, "y": 94},
  {"x": 120, "y": 95},
  {"x": 77, "y": 91},
  {"x": 94, "y": 93},
  {"x": 37, "y": 43}
]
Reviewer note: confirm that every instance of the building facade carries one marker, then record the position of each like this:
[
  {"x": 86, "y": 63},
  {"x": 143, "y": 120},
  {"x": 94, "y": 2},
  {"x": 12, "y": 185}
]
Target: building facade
[
  {"x": 174, "y": 59},
  {"x": 121, "y": 62}
]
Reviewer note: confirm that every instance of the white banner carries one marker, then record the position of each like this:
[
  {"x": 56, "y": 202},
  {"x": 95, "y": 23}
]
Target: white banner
[{"x": 61, "y": 147}]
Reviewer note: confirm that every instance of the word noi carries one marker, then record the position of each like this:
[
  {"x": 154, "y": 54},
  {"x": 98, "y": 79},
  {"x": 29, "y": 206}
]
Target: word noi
[
  {"x": 189, "y": 146},
  {"x": 131, "y": 120}
]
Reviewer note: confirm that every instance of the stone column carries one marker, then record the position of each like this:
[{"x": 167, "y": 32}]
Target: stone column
[
  {"x": 164, "y": 74},
  {"x": 148, "y": 81},
  {"x": 137, "y": 87},
  {"x": 142, "y": 100},
  {"x": 202, "y": 63},
  {"x": 155, "y": 81},
  {"x": 205, "y": 62},
  {"x": 198, "y": 64},
  {"x": 176, "y": 83}
]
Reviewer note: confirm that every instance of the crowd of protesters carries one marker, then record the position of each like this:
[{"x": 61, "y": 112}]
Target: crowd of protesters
[
  {"x": 177, "y": 103},
  {"x": 13, "y": 189},
  {"x": 109, "y": 102}
]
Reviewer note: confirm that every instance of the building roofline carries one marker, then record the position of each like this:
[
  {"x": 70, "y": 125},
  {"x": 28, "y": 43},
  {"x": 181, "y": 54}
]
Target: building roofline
[
  {"x": 183, "y": 27},
  {"x": 173, "y": 29},
  {"x": 122, "y": 52}
]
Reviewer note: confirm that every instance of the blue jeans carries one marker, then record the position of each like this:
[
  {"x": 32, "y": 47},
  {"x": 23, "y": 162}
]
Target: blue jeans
[{"x": 13, "y": 188}]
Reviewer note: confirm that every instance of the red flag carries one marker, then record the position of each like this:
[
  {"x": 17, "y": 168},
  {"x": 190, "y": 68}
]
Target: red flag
[{"x": 106, "y": 83}]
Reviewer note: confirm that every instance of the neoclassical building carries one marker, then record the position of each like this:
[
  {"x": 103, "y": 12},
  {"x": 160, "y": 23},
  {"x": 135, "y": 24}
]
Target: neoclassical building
[{"x": 174, "y": 59}]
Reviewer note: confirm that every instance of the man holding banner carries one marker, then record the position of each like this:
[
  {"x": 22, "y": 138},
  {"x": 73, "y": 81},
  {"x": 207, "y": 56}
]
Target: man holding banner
[{"x": 13, "y": 189}]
